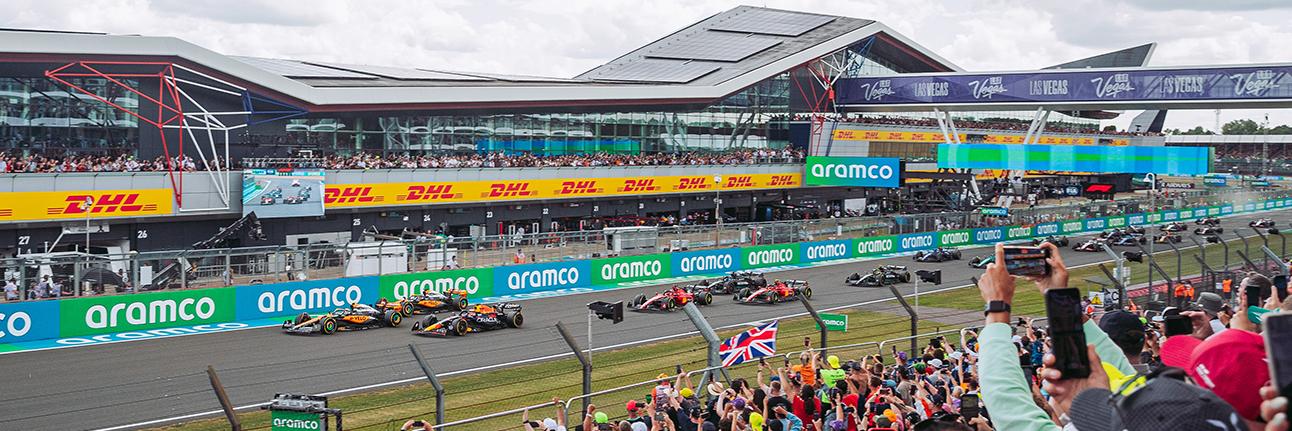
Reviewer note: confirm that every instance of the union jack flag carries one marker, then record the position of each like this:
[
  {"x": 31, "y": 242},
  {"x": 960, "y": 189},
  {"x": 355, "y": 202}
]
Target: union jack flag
[{"x": 755, "y": 343}]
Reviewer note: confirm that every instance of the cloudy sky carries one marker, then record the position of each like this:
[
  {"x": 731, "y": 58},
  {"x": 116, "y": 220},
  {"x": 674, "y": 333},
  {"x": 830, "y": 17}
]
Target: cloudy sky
[{"x": 565, "y": 37}]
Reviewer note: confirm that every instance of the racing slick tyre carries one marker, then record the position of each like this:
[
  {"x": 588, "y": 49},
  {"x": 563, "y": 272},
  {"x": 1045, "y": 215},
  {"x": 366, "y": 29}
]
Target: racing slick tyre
[
  {"x": 302, "y": 318},
  {"x": 742, "y": 294},
  {"x": 515, "y": 320},
  {"x": 974, "y": 261},
  {"x": 406, "y": 308},
  {"x": 459, "y": 327},
  {"x": 462, "y": 304},
  {"x": 807, "y": 291},
  {"x": 918, "y": 255},
  {"x": 773, "y": 297},
  {"x": 906, "y": 278},
  {"x": 955, "y": 255},
  {"x": 637, "y": 300},
  {"x": 327, "y": 326},
  {"x": 392, "y": 318},
  {"x": 417, "y": 325},
  {"x": 670, "y": 304},
  {"x": 706, "y": 299}
]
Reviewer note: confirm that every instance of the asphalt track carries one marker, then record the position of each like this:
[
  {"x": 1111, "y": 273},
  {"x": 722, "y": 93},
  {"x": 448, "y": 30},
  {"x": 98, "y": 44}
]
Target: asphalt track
[{"x": 121, "y": 384}]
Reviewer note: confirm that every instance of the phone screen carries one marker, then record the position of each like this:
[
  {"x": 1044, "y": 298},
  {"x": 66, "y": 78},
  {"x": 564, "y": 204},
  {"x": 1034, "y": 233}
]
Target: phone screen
[
  {"x": 1178, "y": 325},
  {"x": 1281, "y": 286},
  {"x": 1278, "y": 348},
  {"x": 969, "y": 406},
  {"x": 1063, "y": 308},
  {"x": 1026, "y": 260},
  {"x": 1253, "y": 296}
]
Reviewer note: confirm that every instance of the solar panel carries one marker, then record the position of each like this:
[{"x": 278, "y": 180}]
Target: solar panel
[
  {"x": 767, "y": 21},
  {"x": 400, "y": 73},
  {"x": 296, "y": 69},
  {"x": 709, "y": 45},
  {"x": 656, "y": 71}
]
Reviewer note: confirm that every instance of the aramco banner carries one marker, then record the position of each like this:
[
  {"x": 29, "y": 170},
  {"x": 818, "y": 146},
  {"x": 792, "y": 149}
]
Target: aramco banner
[
  {"x": 853, "y": 171},
  {"x": 1077, "y": 158},
  {"x": 1150, "y": 85}
]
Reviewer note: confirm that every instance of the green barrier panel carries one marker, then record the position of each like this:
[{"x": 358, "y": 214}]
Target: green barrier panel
[
  {"x": 124, "y": 313},
  {"x": 1018, "y": 232},
  {"x": 1118, "y": 221},
  {"x": 477, "y": 282},
  {"x": 761, "y": 256},
  {"x": 632, "y": 268},
  {"x": 874, "y": 246},
  {"x": 1154, "y": 217},
  {"x": 955, "y": 238},
  {"x": 1072, "y": 226}
]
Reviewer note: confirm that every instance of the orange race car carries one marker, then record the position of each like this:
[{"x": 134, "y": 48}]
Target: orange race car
[
  {"x": 430, "y": 301},
  {"x": 352, "y": 318}
]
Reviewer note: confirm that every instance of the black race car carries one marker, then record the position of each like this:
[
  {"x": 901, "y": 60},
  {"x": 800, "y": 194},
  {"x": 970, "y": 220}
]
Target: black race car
[
  {"x": 1167, "y": 237},
  {"x": 937, "y": 255},
  {"x": 479, "y": 318},
  {"x": 1209, "y": 230},
  {"x": 352, "y": 318},
  {"x": 1058, "y": 241},
  {"x": 789, "y": 290},
  {"x": 1134, "y": 229},
  {"x": 1174, "y": 227},
  {"x": 735, "y": 281},
  {"x": 672, "y": 298},
  {"x": 1094, "y": 244},
  {"x": 982, "y": 261},
  {"x": 1208, "y": 221},
  {"x": 1127, "y": 240},
  {"x": 882, "y": 276},
  {"x": 1261, "y": 223},
  {"x": 430, "y": 301}
]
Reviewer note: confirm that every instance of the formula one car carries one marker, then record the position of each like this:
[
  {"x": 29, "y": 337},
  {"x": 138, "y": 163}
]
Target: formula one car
[
  {"x": 1094, "y": 244},
  {"x": 937, "y": 255},
  {"x": 882, "y": 276},
  {"x": 1127, "y": 240},
  {"x": 735, "y": 281},
  {"x": 672, "y": 298},
  {"x": 267, "y": 200},
  {"x": 1209, "y": 221},
  {"x": 789, "y": 290},
  {"x": 478, "y": 318},
  {"x": 1058, "y": 241},
  {"x": 1134, "y": 229},
  {"x": 401, "y": 307},
  {"x": 430, "y": 301},
  {"x": 352, "y": 318},
  {"x": 1209, "y": 230},
  {"x": 1174, "y": 227},
  {"x": 1261, "y": 223},
  {"x": 1167, "y": 237},
  {"x": 981, "y": 262}
]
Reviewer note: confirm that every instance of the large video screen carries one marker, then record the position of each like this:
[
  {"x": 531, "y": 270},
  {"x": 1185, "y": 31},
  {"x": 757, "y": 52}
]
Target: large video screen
[
  {"x": 277, "y": 193},
  {"x": 1077, "y": 158}
]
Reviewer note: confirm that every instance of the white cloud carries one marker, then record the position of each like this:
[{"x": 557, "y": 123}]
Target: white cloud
[{"x": 566, "y": 37}]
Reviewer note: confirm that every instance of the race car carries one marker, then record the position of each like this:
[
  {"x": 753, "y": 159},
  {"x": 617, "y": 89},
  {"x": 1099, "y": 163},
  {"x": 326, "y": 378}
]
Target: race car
[
  {"x": 352, "y": 318},
  {"x": 672, "y": 299},
  {"x": 1134, "y": 229},
  {"x": 401, "y": 307},
  {"x": 981, "y": 262},
  {"x": 1209, "y": 230},
  {"x": 294, "y": 200},
  {"x": 1209, "y": 221},
  {"x": 430, "y": 301},
  {"x": 1167, "y": 237},
  {"x": 1095, "y": 244},
  {"x": 881, "y": 276},
  {"x": 1058, "y": 241},
  {"x": 267, "y": 200},
  {"x": 1261, "y": 223},
  {"x": 478, "y": 318},
  {"x": 937, "y": 255},
  {"x": 789, "y": 290},
  {"x": 1126, "y": 240},
  {"x": 1174, "y": 227},
  {"x": 735, "y": 281}
]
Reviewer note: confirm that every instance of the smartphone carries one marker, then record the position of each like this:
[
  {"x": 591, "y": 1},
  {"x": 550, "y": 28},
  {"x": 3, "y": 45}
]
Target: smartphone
[
  {"x": 969, "y": 407},
  {"x": 807, "y": 342},
  {"x": 1063, "y": 308},
  {"x": 418, "y": 423},
  {"x": 1177, "y": 325},
  {"x": 1253, "y": 296},
  {"x": 1278, "y": 349},
  {"x": 1281, "y": 286},
  {"x": 1027, "y": 261}
]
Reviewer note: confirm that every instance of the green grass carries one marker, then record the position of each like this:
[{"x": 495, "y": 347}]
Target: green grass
[{"x": 494, "y": 391}]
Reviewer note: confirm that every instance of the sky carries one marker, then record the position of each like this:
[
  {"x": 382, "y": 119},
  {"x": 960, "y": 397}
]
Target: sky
[{"x": 563, "y": 38}]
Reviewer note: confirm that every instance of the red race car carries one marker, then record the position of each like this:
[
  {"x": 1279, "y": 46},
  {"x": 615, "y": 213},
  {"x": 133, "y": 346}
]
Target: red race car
[
  {"x": 672, "y": 298},
  {"x": 778, "y": 291}
]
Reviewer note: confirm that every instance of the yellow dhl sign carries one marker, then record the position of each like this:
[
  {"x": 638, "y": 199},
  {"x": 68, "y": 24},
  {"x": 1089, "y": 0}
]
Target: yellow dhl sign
[
  {"x": 421, "y": 193},
  {"x": 16, "y": 206},
  {"x": 935, "y": 137}
]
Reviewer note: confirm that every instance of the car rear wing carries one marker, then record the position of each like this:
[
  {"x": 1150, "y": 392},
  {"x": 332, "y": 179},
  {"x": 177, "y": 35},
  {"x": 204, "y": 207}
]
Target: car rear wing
[
  {"x": 795, "y": 282},
  {"x": 506, "y": 306}
]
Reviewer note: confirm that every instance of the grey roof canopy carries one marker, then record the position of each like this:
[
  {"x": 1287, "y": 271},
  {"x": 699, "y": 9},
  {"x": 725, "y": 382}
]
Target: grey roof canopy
[{"x": 705, "y": 61}]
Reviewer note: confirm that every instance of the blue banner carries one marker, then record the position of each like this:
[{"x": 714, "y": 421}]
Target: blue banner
[
  {"x": 260, "y": 301},
  {"x": 825, "y": 250},
  {"x": 538, "y": 277},
  {"x": 1046, "y": 229},
  {"x": 1226, "y": 209},
  {"x": 1135, "y": 219},
  {"x": 917, "y": 241},
  {"x": 706, "y": 262},
  {"x": 1150, "y": 85},
  {"x": 25, "y": 321}
]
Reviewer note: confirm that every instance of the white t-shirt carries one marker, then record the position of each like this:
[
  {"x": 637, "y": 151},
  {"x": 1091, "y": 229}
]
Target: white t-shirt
[{"x": 10, "y": 291}]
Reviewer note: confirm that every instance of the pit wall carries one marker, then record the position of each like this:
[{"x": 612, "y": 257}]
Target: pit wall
[{"x": 146, "y": 315}]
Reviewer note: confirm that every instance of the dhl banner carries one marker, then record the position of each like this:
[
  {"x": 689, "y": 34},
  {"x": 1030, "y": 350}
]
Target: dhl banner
[
  {"x": 421, "y": 193},
  {"x": 935, "y": 137},
  {"x": 15, "y": 206}
]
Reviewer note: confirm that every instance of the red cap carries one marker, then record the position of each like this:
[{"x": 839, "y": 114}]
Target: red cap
[
  {"x": 632, "y": 405},
  {"x": 1177, "y": 349},
  {"x": 1232, "y": 364}
]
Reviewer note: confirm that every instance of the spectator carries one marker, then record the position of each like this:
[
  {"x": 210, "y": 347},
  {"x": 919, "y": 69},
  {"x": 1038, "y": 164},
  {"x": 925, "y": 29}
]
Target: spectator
[
  {"x": 1127, "y": 332},
  {"x": 519, "y": 257},
  {"x": 633, "y": 417},
  {"x": 1230, "y": 364},
  {"x": 416, "y": 424},
  {"x": 1214, "y": 306},
  {"x": 596, "y": 420},
  {"x": 11, "y": 290},
  {"x": 452, "y": 263},
  {"x": 548, "y": 424}
]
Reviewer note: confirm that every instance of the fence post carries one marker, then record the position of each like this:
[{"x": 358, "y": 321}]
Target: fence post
[
  {"x": 915, "y": 318},
  {"x": 710, "y": 338},
  {"x": 224, "y": 399},
  {"x": 820, "y": 324},
  {"x": 587, "y": 366},
  {"x": 435, "y": 382}
]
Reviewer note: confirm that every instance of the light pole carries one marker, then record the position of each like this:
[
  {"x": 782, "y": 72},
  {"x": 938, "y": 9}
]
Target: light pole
[
  {"x": 86, "y": 207},
  {"x": 717, "y": 210}
]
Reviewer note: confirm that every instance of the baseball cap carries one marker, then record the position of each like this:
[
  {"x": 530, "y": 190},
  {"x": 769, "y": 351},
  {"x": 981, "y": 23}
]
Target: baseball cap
[
  {"x": 686, "y": 392},
  {"x": 837, "y": 425},
  {"x": 833, "y": 361},
  {"x": 631, "y": 406},
  {"x": 919, "y": 367},
  {"x": 663, "y": 376},
  {"x": 708, "y": 426},
  {"x": 1232, "y": 364},
  {"x": 935, "y": 363},
  {"x": 756, "y": 421},
  {"x": 1118, "y": 322},
  {"x": 738, "y": 403},
  {"x": 600, "y": 418},
  {"x": 639, "y": 426},
  {"x": 550, "y": 424},
  {"x": 1166, "y": 403},
  {"x": 1177, "y": 349},
  {"x": 1210, "y": 302}
]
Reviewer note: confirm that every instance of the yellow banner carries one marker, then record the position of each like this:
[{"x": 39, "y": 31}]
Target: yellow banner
[
  {"x": 421, "y": 193},
  {"x": 17, "y": 206},
  {"x": 935, "y": 137}
]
